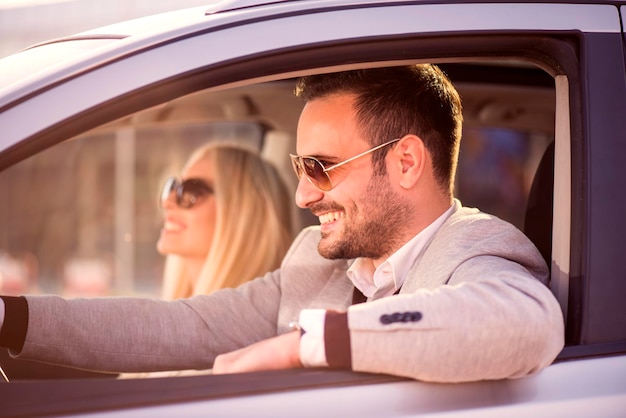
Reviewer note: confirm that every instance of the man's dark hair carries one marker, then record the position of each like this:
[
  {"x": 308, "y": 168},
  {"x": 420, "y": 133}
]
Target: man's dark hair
[{"x": 395, "y": 101}]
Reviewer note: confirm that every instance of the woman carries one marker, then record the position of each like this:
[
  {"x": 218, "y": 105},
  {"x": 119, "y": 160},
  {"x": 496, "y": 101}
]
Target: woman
[{"x": 227, "y": 221}]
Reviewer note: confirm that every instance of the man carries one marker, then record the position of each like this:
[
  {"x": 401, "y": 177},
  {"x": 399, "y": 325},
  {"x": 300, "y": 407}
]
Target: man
[{"x": 451, "y": 294}]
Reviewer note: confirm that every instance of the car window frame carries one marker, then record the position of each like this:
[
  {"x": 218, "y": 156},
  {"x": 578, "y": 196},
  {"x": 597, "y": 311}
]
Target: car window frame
[{"x": 540, "y": 49}]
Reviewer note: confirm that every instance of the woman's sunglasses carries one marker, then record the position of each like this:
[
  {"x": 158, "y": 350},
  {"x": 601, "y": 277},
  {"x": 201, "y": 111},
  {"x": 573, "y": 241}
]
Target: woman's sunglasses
[
  {"x": 317, "y": 173},
  {"x": 186, "y": 192}
]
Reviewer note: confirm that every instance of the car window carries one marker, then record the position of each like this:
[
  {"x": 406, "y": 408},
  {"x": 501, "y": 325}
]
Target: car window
[{"x": 83, "y": 215}]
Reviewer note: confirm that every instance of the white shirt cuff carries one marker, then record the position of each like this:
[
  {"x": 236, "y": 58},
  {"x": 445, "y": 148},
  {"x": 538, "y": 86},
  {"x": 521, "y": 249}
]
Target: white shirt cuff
[{"x": 312, "y": 347}]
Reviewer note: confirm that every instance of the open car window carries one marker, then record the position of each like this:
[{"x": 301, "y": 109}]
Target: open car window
[{"x": 84, "y": 217}]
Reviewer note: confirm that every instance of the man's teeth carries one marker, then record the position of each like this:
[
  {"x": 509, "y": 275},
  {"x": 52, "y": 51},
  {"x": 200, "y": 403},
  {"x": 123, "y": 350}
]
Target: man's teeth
[{"x": 329, "y": 217}]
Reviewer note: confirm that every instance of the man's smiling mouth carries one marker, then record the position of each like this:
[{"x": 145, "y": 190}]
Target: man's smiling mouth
[{"x": 330, "y": 217}]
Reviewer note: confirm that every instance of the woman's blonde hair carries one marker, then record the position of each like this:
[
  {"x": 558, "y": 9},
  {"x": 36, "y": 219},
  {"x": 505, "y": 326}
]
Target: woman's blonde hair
[{"x": 254, "y": 226}]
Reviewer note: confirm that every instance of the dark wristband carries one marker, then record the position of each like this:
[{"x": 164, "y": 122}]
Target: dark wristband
[
  {"x": 15, "y": 324},
  {"x": 337, "y": 340}
]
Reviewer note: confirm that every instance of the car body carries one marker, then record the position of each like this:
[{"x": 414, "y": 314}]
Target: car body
[{"x": 126, "y": 101}]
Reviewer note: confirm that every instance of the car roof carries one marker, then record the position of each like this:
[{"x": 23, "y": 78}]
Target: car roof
[{"x": 53, "y": 61}]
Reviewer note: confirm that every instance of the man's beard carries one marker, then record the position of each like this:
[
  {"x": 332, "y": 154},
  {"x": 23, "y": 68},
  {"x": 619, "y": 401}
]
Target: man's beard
[{"x": 374, "y": 230}]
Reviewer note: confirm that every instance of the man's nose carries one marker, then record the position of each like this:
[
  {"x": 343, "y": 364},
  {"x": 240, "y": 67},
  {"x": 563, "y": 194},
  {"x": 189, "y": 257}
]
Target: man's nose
[{"x": 307, "y": 194}]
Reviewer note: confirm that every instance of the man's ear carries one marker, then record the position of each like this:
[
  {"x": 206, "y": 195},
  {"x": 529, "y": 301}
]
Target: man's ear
[{"x": 411, "y": 158}]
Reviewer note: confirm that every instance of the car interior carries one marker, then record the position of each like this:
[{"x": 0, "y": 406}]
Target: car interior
[{"x": 93, "y": 199}]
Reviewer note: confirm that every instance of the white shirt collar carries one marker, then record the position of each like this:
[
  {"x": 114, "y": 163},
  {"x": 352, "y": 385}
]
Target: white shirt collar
[{"x": 390, "y": 275}]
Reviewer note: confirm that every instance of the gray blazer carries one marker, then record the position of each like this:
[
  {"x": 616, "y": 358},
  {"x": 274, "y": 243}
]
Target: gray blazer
[{"x": 479, "y": 286}]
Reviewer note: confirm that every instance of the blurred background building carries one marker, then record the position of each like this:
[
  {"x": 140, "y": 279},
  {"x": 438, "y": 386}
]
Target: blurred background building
[{"x": 27, "y": 22}]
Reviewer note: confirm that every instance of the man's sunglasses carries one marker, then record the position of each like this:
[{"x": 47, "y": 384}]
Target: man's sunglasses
[
  {"x": 317, "y": 173},
  {"x": 186, "y": 192}
]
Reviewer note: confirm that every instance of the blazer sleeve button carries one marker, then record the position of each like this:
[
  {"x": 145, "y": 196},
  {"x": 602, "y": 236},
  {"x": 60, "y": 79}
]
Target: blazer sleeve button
[
  {"x": 415, "y": 316},
  {"x": 400, "y": 317}
]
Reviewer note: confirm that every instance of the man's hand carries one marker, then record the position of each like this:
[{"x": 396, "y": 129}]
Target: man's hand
[{"x": 282, "y": 352}]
